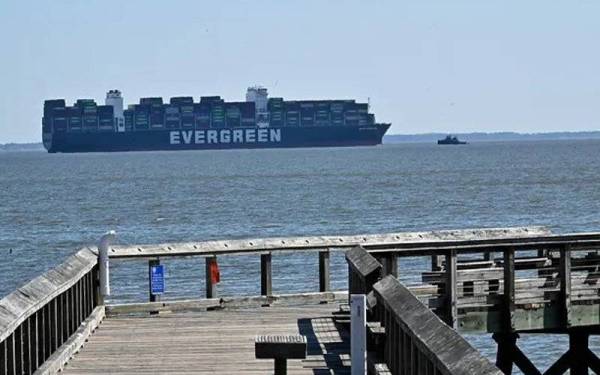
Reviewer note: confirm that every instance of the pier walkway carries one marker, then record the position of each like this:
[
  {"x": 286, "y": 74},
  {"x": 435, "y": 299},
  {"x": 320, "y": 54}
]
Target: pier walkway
[
  {"x": 215, "y": 342},
  {"x": 499, "y": 281}
]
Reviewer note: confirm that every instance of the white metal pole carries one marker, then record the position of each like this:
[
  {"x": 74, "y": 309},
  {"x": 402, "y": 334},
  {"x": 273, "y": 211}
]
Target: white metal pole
[
  {"x": 358, "y": 332},
  {"x": 103, "y": 263}
]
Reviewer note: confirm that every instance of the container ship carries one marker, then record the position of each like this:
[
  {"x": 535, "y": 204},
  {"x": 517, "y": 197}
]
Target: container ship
[{"x": 211, "y": 123}]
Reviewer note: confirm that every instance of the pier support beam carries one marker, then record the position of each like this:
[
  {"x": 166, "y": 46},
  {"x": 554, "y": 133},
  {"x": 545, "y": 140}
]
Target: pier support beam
[
  {"x": 324, "y": 271},
  {"x": 578, "y": 347},
  {"x": 509, "y": 354},
  {"x": 578, "y": 360}
]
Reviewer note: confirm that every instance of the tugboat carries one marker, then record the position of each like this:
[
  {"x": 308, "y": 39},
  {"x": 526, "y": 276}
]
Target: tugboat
[{"x": 450, "y": 140}]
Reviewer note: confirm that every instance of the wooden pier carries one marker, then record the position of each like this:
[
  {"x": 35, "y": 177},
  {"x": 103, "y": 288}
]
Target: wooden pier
[{"x": 500, "y": 281}]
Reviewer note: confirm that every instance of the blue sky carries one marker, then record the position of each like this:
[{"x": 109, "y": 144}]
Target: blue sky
[{"x": 427, "y": 66}]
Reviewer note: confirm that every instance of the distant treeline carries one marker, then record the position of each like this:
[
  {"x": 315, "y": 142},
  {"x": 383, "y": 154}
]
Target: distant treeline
[
  {"x": 491, "y": 137},
  {"x": 22, "y": 147}
]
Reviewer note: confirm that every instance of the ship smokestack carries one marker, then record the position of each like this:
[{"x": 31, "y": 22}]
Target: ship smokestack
[{"x": 114, "y": 99}]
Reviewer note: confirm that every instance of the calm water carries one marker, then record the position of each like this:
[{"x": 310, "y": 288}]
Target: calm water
[{"x": 50, "y": 205}]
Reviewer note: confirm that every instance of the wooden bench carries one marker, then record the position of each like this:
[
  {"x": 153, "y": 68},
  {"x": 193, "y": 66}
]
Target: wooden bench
[{"x": 280, "y": 348}]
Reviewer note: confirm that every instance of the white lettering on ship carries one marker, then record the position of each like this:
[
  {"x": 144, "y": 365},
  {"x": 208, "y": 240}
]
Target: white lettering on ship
[
  {"x": 187, "y": 137},
  {"x": 222, "y": 136}
]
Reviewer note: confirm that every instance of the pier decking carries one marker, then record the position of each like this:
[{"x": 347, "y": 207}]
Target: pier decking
[{"x": 216, "y": 342}]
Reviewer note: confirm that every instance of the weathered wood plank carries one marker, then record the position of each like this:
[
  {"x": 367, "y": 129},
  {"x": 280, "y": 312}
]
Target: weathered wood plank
[
  {"x": 189, "y": 342},
  {"x": 374, "y": 241},
  {"x": 225, "y": 303}
]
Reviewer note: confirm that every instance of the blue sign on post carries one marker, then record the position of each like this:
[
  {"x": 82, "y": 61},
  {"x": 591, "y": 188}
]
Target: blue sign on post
[{"x": 157, "y": 279}]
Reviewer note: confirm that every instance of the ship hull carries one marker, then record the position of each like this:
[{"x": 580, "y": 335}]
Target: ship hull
[{"x": 211, "y": 139}]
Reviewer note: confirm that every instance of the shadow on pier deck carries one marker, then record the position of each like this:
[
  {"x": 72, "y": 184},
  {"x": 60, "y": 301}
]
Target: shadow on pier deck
[{"x": 216, "y": 342}]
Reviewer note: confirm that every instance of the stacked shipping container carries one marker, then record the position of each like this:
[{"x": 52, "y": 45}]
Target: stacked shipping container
[{"x": 211, "y": 112}]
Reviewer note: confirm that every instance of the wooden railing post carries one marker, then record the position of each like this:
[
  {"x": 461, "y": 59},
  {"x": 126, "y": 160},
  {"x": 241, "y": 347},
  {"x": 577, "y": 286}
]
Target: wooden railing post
[
  {"x": 3, "y": 359},
  {"x": 358, "y": 341},
  {"x": 564, "y": 274},
  {"x": 363, "y": 271},
  {"x": 389, "y": 261},
  {"x": 324, "y": 271},
  {"x": 54, "y": 341},
  {"x": 104, "y": 266},
  {"x": 72, "y": 317},
  {"x": 436, "y": 263},
  {"x": 509, "y": 289},
  {"x": 26, "y": 347},
  {"x": 65, "y": 317},
  {"x": 211, "y": 288},
  {"x": 265, "y": 275},
  {"x": 19, "y": 350},
  {"x": 10, "y": 355},
  {"x": 451, "y": 289},
  {"x": 33, "y": 342}
]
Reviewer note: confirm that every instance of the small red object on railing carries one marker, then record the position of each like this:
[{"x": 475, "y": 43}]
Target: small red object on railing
[{"x": 215, "y": 274}]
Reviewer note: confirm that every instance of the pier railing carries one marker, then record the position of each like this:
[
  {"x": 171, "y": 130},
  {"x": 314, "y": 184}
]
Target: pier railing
[
  {"x": 43, "y": 315},
  {"x": 502, "y": 281},
  {"x": 417, "y": 341},
  {"x": 404, "y": 335},
  {"x": 483, "y": 285},
  {"x": 265, "y": 248},
  {"x": 504, "y": 286},
  {"x": 46, "y": 320}
]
